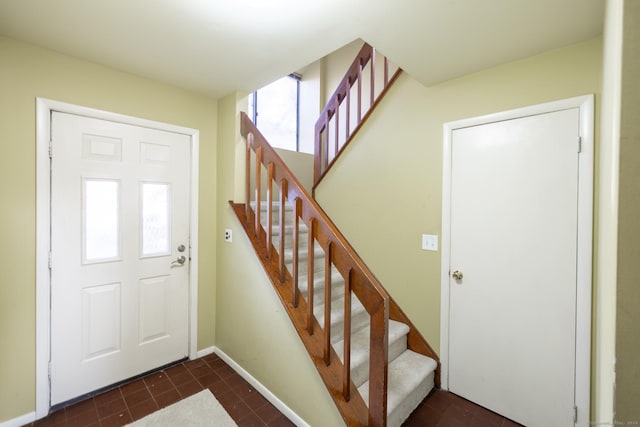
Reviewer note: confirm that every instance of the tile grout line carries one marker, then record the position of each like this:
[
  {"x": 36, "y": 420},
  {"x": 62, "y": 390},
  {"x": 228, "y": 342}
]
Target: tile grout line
[{"x": 224, "y": 380}]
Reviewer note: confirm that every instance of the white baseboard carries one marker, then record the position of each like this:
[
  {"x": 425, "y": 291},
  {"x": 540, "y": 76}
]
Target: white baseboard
[
  {"x": 19, "y": 421},
  {"x": 272, "y": 398},
  {"x": 205, "y": 352}
]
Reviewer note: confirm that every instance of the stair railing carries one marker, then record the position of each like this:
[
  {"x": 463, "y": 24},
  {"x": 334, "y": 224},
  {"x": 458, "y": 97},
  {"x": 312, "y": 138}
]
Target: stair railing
[
  {"x": 264, "y": 164},
  {"x": 338, "y": 254},
  {"x": 348, "y": 108}
]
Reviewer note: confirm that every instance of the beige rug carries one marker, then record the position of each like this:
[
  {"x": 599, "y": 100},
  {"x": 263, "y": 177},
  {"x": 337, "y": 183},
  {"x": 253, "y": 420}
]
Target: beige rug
[{"x": 199, "y": 410}]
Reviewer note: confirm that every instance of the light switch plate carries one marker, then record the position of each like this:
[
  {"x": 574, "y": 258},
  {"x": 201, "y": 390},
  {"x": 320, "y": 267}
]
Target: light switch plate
[{"x": 430, "y": 242}]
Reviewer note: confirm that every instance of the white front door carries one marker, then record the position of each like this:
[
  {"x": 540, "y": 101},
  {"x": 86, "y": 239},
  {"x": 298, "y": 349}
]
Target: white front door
[
  {"x": 119, "y": 252},
  {"x": 513, "y": 262}
]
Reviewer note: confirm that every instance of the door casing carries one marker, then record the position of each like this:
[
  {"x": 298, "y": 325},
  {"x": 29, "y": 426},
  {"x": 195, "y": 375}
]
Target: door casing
[
  {"x": 44, "y": 107},
  {"x": 585, "y": 104}
]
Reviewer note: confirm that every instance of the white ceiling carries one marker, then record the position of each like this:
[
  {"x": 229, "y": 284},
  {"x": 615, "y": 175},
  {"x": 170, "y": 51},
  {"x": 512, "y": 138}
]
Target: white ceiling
[{"x": 218, "y": 46}]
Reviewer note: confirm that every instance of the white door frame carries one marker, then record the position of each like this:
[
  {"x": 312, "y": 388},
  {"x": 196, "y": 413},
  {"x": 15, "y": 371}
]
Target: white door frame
[
  {"x": 584, "y": 244},
  {"x": 44, "y": 107}
]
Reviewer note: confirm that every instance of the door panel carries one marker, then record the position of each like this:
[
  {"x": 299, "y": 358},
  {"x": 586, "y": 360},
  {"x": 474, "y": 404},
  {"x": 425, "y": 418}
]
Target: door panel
[
  {"x": 153, "y": 308},
  {"x": 101, "y": 317},
  {"x": 514, "y": 198},
  {"x": 119, "y": 212}
]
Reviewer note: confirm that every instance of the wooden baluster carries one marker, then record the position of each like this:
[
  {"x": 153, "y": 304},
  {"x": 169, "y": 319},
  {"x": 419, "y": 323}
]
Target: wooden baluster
[
  {"x": 373, "y": 78},
  {"x": 386, "y": 71},
  {"x": 348, "y": 101},
  {"x": 359, "y": 100},
  {"x": 258, "y": 187},
  {"x": 378, "y": 365},
  {"x": 269, "y": 210},
  {"x": 310, "y": 274},
  {"x": 346, "y": 375},
  {"x": 317, "y": 160},
  {"x": 327, "y": 306},
  {"x": 326, "y": 141},
  {"x": 283, "y": 201},
  {"x": 325, "y": 148},
  {"x": 296, "y": 246},
  {"x": 337, "y": 137},
  {"x": 247, "y": 206}
]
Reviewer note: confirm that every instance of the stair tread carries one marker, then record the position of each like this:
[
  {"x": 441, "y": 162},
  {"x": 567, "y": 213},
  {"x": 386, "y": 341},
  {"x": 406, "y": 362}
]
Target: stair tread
[
  {"x": 360, "y": 349},
  {"x": 396, "y": 329},
  {"x": 288, "y": 229},
  {"x": 337, "y": 310},
  {"x": 303, "y": 254},
  {"x": 275, "y": 206},
  {"x": 410, "y": 379},
  {"x": 359, "y": 317},
  {"x": 337, "y": 287}
]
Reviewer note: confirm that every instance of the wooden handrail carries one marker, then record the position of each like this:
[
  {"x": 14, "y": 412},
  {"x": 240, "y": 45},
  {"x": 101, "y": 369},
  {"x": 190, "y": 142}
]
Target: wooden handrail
[
  {"x": 339, "y": 254},
  {"x": 330, "y": 115}
]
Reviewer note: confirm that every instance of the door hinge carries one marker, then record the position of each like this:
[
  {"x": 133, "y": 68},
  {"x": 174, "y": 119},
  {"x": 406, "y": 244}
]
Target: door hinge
[
  {"x": 579, "y": 144},
  {"x": 50, "y": 149},
  {"x": 50, "y": 261},
  {"x": 575, "y": 414}
]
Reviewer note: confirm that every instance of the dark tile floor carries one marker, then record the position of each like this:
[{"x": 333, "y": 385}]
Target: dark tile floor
[
  {"x": 444, "y": 409},
  {"x": 246, "y": 406},
  {"x": 141, "y": 397}
]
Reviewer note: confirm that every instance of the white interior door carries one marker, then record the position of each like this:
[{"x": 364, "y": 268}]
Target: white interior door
[
  {"x": 513, "y": 262},
  {"x": 119, "y": 252}
]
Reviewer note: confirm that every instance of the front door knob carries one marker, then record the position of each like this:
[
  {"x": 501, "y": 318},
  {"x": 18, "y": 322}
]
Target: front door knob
[
  {"x": 181, "y": 260},
  {"x": 457, "y": 275}
]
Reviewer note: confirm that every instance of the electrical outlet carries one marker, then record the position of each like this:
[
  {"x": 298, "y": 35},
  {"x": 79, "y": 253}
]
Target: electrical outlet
[
  {"x": 228, "y": 235},
  {"x": 429, "y": 242}
]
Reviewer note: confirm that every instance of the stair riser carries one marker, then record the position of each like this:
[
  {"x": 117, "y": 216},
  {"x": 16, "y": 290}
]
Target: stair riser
[
  {"x": 410, "y": 379},
  {"x": 359, "y": 318},
  {"x": 360, "y": 372},
  {"x": 303, "y": 256},
  {"x": 337, "y": 296},
  {"x": 303, "y": 240},
  {"x": 360, "y": 342}
]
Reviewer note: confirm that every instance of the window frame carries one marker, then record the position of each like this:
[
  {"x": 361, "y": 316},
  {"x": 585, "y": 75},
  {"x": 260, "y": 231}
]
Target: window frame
[{"x": 255, "y": 114}]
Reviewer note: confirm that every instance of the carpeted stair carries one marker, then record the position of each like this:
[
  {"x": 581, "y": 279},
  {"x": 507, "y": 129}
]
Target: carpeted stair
[{"x": 410, "y": 375}]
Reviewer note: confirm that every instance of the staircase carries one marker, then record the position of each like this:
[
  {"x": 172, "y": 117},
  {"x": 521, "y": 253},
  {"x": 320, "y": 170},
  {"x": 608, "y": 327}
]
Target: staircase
[
  {"x": 411, "y": 375},
  {"x": 375, "y": 364}
]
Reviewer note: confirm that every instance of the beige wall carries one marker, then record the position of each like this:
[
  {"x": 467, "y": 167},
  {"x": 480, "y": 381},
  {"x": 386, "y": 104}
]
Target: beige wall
[
  {"x": 301, "y": 164},
  {"x": 386, "y": 190},
  {"x": 252, "y": 327},
  {"x": 27, "y": 72},
  {"x": 627, "y": 394}
]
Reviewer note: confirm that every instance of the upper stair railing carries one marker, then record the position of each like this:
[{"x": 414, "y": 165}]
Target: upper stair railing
[
  {"x": 266, "y": 170},
  {"x": 364, "y": 84}
]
